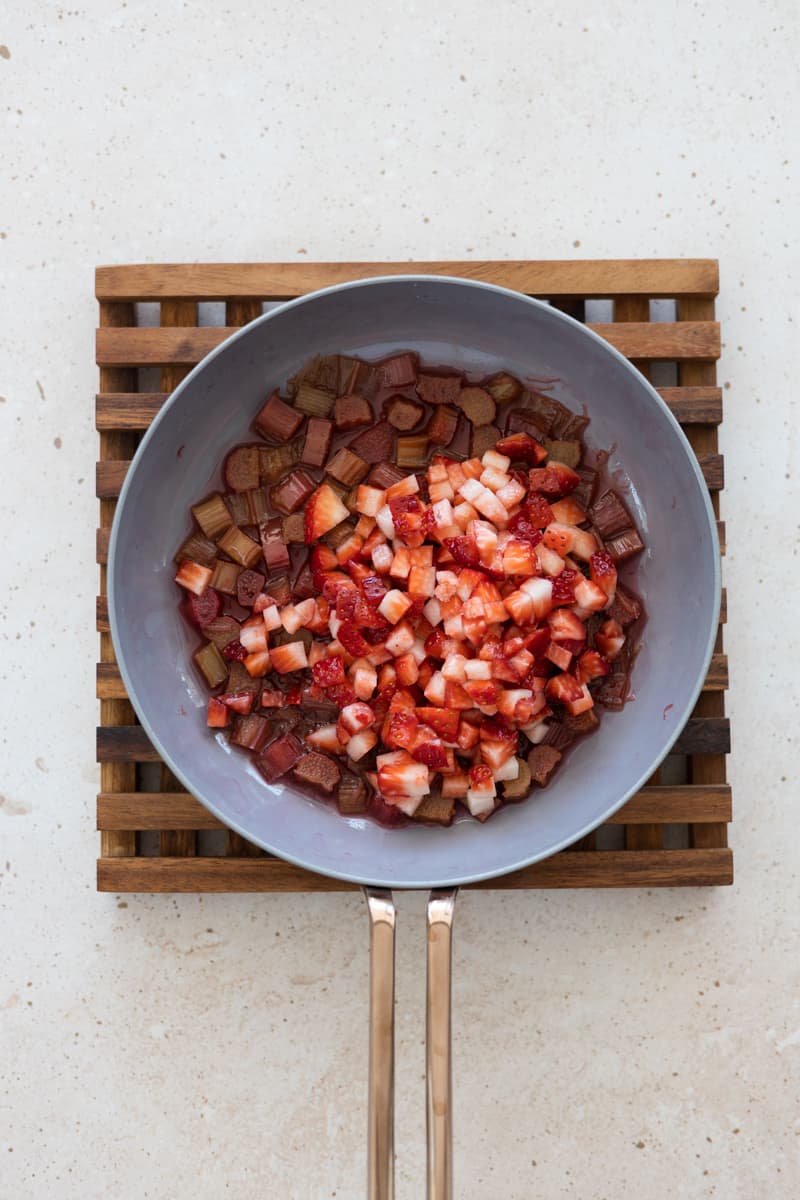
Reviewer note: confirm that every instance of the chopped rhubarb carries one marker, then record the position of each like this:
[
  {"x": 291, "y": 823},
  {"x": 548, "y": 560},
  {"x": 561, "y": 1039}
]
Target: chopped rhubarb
[
  {"x": 213, "y": 516},
  {"x": 318, "y": 771},
  {"x": 316, "y": 446},
  {"x": 351, "y": 411},
  {"x": 279, "y": 757},
  {"x": 278, "y": 420}
]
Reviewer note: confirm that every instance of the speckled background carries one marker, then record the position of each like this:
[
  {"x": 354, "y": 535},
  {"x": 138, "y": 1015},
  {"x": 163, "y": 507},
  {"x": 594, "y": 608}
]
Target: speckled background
[{"x": 606, "y": 1045}]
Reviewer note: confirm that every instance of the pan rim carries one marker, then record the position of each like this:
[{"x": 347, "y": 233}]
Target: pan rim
[{"x": 526, "y": 860}]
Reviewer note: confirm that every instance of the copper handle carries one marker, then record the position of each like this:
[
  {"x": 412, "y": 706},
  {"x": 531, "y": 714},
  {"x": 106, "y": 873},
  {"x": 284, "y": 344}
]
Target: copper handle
[
  {"x": 380, "y": 1112},
  {"x": 441, "y": 907}
]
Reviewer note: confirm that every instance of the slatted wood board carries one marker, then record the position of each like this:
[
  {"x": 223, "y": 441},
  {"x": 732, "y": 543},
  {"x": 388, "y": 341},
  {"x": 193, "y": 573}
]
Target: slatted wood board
[{"x": 157, "y": 321}]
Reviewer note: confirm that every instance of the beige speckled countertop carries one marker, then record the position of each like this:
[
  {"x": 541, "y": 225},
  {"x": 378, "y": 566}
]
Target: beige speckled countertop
[{"x": 608, "y": 1045}]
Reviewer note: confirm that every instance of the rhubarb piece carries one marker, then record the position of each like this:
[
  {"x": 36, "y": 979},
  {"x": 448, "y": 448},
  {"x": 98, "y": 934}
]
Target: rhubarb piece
[
  {"x": 203, "y": 609},
  {"x": 399, "y": 371},
  {"x": 351, "y": 411},
  {"x": 224, "y": 577},
  {"x": 585, "y": 490},
  {"x": 293, "y": 529},
  {"x": 318, "y": 770},
  {"x": 257, "y": 505},
  {"x": 237, "y": 505},
  {"x": 542, "y": 762},
  {"x": 212, "y": 516},
  {"x": 238, "y": 546},
  {"x": 240, "y": 681},
  {"x": 292, "y": 492},
  {"x": 250, "y": 732},
  {"x": 609, "y": 515},
  {"x": 436, "y": 808},
  {"x": 275, "y": 461},
  {"x": 314, "y": 401},
  {"x": 218, "y": 714},
  {"x": 483, "y": 438},
  {"x": 376, "y": 444},
  {"x": 347, "y": 467},
  {"x": 197, "y": 548},
  {"x": 504, "y": 388},
  {"x": 412, "y": 451},
  {"x": 278, "y": 420},
  {"x": 351, "y": 795},
  {"x": 323, "y": 511},
  {"x": 212, "y": 664},
  {"x": 517, "y": 789},
  {"x": 331, "y": 371},
  {"x": 543, "y": 410},
  {"x": 624, "y": 545},
  {"x": 625, "y": 609},
  {"x": 403, "y": 413},
  {"x": 317, "y": 443},
  {"x": 248, "y": 586},
  {"x": 569, "y": 426},
  {"x": 279, "y": 587},
  {"x": 241, "y": 469},
  {"x": 439, "y": 389},
  {"x": 613, "y": 691},
  {"x": 442, "y": 425},
  {"x": 477, "y": 405},
  {"x": 568, "y": 452},
  {"x": 384, "y": 475},
  {"x": 222, "y": 631},
  {"x": 279, "y": 757},
  {"x": 273, "y": 547}
]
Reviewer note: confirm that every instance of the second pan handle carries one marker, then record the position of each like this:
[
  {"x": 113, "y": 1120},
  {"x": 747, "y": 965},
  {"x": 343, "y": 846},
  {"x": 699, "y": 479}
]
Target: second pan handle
[
  {"x": 441, "y": 907},
  {"x": 380, "y": 1149}
]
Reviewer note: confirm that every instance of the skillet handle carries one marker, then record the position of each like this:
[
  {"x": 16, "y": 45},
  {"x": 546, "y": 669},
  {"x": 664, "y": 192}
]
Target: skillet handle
[
  {"x": 380, "y": 1113},
  {"x": 441, "y": 907}
]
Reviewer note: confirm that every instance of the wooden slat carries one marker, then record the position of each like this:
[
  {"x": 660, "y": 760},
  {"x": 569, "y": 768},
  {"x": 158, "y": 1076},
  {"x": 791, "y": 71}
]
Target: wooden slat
[
  {"x": 127, "y": 410},
  {"x": 180, "y": 810},
  {"x": 102, "y": 538},
  {"x": 185, "y": 347},
  {"x": 115, "y": 776},
  {"x": 659, "y": 278},
  {"x": 180, "y": 843},
  {"x": 712, "y": 466},
  {"x": 109, "y": 685},
  {"x": 717, "y": 677},
  {"x": 124, "y": 744},
  {"x": 694, "y": 405},
  {"x": 136, "y": 410},
  {"x": 570, "y": 869},
  {"x": 704, "y": 735},
  {"x": 101, "y": 614}
]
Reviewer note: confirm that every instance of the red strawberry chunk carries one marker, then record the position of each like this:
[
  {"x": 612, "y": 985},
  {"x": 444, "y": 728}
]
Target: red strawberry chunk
[
  {"x": 400, "y": 730},
  {"x": 341, "y": 694},
  {"x": 218, "y": 713},
  {"x": 321, "y": 561},
  {"x": 351, "y": 639},
  {"x": 329, "y": 671},
  {"x": 564, "y": 625},
  {"x": 193, "y": 577},
  {"x": 592, "y": 665},
  {"x": 346, "y": 600},
  {"x": 324, "y": 510},
  {"x": 432, "y": 752},
  {"x": 443, "y": 721},
  {"x": 234, "y": 651},
  {"x": 521, "y": 447},
  {"x": 603, "y": 572},
  {"x": 564, "y": 688},
  {"x": 609, "y": 639},
  {"x": 373, "y": 589},
  {"x": 239, "y": 702},
  {"x": 564, "y": 587},
  {"x": 291, "y": 657},
  {"x": 464, "y": 551}
]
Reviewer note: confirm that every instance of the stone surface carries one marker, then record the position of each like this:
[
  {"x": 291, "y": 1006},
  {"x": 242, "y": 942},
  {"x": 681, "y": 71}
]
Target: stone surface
[{"x": 607, "y": 1045}]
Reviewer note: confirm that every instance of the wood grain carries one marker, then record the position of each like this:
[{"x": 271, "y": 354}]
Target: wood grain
[
  {"x": 658, "y": 278},
  {"x": 569, "y": 869},
  {"x": 185, "y": 347},
  {"x": 180, "y": 810}
]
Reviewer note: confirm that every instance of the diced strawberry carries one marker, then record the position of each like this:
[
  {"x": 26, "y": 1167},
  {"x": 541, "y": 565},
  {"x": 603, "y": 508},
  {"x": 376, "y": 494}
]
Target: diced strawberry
[
  {"x": 341, "y": 694},
  {"x": 541, "y": 593},
  {"x": 407, "y": 669},
  {"x": 400, "y": 729},
  {"x": 438, "y": 644},
  {"x": 234, "y": 651},
  {"x": 352, "y": 640},
  {"x": 464, "y": 551},
  {"x": 369, "y": 500},
  {"x": 520, "y": 606},
  {"x": 537, "y": 640},
  {"x": 522, "y": 528},
  {"x": 590, "y": 596},
  {"x": 584, "y": 545},
  {"x": 193, "y": 577},
  {"x": 455, "y": 785},
  {"x": 592, "y": 665},
  {"x": 510, "y": 494},
  {"x": 550, "y": 561},
  {"x": 294, "y": 694},
  {"x": 431, "y": 752},
  {"x": 609, "y": 639},
  {"x": 291, "y": 657},
  {"x": 272, "y": 698},
  {"x": 238, "y": 702},
  {"x": 364, "y": 679},
  {"x": 482, "y": 792},
  {"x": 483, "y": 692},
  {"x": 422, "y": 581},
  {"x": 538, "y": 512},
  {"x": 218, "y": 713},
  {"x": 518, "y": 558},
  {"x": 495, "y": 753},
  {"x": 564, "y": 588},
  {"x": 564, "y": 626},
  {"x": 557, "y": 654},
  {"x": 328, "y": 672},
  {"x": 373, "y": 589},
  {"x": 258, "y": 663},
  {"x": 560, "y": 538},
  {"x": 347, "y": 550},
  {"x": 361, "y": 743},
  {"x": 400, "y": 640},
  {"x": 521, "y": 447},
  {"x": 518, "y": 704},
  {"x": 394, "y": 606},
  {"x": 603, "y": 572},
  {"x": 436, "y": 690},
  {"x": 568, "y": 512},
  {"x": 556, "y": 479},
  {"x": 443, "y": 722},
  {"x": 253, "y": 634},
  {"x": 400, "y": 776},
  {"x": 354, "y": 717},
  {"x": 456, "y": 697},
  {"x": 324, "y": 510},
  {"x": 321, "y": 560},
  {"x": 565, "y": 689},
  {"x": 325, "y": 738}
]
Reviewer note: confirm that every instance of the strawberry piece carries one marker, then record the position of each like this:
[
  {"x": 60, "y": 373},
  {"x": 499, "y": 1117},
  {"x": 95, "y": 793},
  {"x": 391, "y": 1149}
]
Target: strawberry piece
[
  {"x": 328, "y": 672},
  {"x": 354, "y": 717},
  {"x": 373, "y": 589},
  {"x": 400, "y": 729},
  {"x": 589, "y": 596},
  {"x": 291, "y": 657},
  {"x": 443, "y": 722},
  {"x": 483, "y": 692},
  {"x": 407, "y": 669},
  {"x": 537, "y": 641},
  {"x": 592, "y": 665},
  {"x": 522, "y": 527},
  {"x": 401, "y": 780},
  {"x": 564, "y": 626},
  {"x": 346, "y": 600},
  {"x": 202, "y": 609},
  {"x": 610, "y": 639},
  {"x": 557, "y": 654},
  {"x": 341, "y": 694},
  {"x": 321, "y": 560},
  {"x": 456, "y": 697},
  {"x": 495, "y": 754},
  {"x": 325, "y": 738},
  {"x": 555, "y": 480},
  {"x": 351, "y": 639},
  {"x": 538, "y": 511},
  {"x": 521, "y": 447},
  {"x": 258, "y": 663},
  {"x": 603, "y": 572},
  {"x": 566, "y": 689},
  {"x": 271, "y": 698},
  {"x": 464, "y": 551},
  {"x": 432, "y": 752},
  {"x": 568, "y": 512},
  {"x": 218, "y": 714},
  {"x": 564, "y": 587},
  {"x": 394, "y": 605},
  {"x": 234, "y": 651},
  {"x": 560, "y": 538},
  {"x": 294, "y": 694},
  {"x": 468, "y": 734},
  {"x": 361, "y": 743},
  {"x": 193, "y": 577},
  {"x": 324, "y": 511},
  {"x": 239, "y": 702}
]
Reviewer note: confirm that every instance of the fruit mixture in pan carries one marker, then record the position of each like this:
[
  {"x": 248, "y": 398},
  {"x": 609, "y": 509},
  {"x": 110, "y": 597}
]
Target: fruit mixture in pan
[{"x": 408, "y": 591}]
